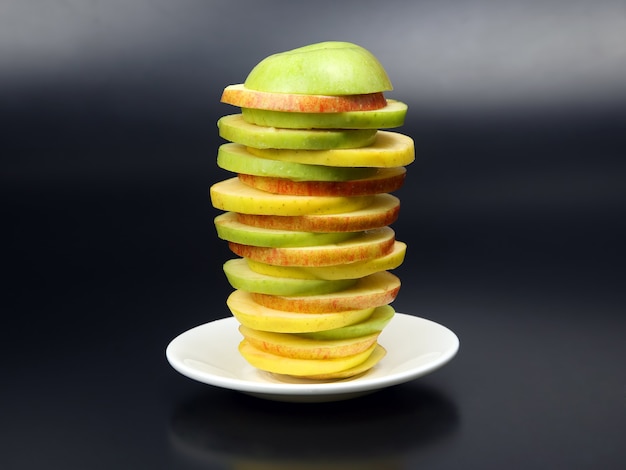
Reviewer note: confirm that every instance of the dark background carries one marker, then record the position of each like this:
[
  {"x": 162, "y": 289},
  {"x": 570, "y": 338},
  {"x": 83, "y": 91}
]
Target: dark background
[{"x": 513, "y": 213}]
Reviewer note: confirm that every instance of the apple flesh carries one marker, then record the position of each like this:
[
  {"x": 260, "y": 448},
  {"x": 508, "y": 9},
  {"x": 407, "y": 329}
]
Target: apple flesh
[
  {"x": 236, "y": 158},
  {"x": 371, "y": 291},
  {"x": 366, "y": 245},
  {"x": 392, "y": 115},
  {"x": 300, "y": 367},
  {"x": 235, "y": 129},
  {"x": 374, "y": 324},
  {"x": 383, "y": 210},
  {"x": 385, "y": 180},
  {"x": 389, "y": 149},
  {"x": 230, "y": 229},
  {"x": 298, "y": 347},
  {"x": 239, "y": 95},
  {"x": 259, "y": 317},
  {"x": 240, "y": 276},
  {"x": 337, "y": 271},
  {"x": 232, "y": 195},
  {"x": 328, "y": 68}
]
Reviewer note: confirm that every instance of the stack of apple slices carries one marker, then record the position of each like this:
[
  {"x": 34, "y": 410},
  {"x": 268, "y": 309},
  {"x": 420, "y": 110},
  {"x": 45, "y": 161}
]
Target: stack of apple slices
[{"x": 308, "y": 213}]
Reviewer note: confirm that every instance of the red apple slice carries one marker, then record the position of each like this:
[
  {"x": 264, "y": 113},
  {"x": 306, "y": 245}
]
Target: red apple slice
[
  {"x": 375, "y": 290},
  {"x": 384, "y": 210},
  {"x": 239, "y": 95},
  {"x": 368, "y": 245},
  {"x": 385, "y": 180}
]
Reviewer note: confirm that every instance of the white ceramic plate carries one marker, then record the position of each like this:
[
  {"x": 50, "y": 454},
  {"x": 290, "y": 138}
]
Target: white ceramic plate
[{"x": 208, "y": 353}]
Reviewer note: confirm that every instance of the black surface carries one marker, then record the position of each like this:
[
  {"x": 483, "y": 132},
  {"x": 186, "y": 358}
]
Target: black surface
[{"x": 513, "y": 213}]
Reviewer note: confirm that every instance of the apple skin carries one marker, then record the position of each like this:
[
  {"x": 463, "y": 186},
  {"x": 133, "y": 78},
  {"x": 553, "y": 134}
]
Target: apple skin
[
  {"x": 389, "y": 149},
  {"x": 371, "y": 291},
  {"x": 240, "y": 276},
  {"x": 325, "y": 68},
  {"x": 299, "y": 347},
  {"x": 239, "y": 95},
  {"x": 374, "y": 324},
  {"x": 300, "y": 367},
  {"x": 232, "y": 195},
  {"x": 229, "y": 229},
  {"x": 391, "y": 116},
  {"x": 237, "y": 159},
  {"x": 383, "y": 210},
  {"x": 257, "y": 316},
  {"x": 366, "y": 245},
  {"x": 386, "y": 180},
  {"x": 232, "y": 127}
]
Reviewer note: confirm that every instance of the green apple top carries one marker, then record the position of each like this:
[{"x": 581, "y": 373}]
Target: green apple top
[{"x": 326, "y": 68}]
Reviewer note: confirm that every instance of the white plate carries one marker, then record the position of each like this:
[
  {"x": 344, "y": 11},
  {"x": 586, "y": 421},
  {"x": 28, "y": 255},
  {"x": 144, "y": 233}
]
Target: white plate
[{"x": 208, "y": 353}]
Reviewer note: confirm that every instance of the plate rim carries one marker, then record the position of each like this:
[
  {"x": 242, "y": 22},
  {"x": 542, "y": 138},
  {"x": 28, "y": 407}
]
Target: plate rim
[{"x": 349, "y": 386}]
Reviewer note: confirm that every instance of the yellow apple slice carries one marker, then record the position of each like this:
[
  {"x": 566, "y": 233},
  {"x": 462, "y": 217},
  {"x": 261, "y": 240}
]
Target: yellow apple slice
[
  {"x": 300, "y": 367},
  {"x": 389, "y": 149},
  {"x": 234, "y": 196},
  {"x": 256, "y": 316},
  {"x": 297, "y": 347},
  {"x": 366, "y": 245},
  {"x": 337, "y": 271},
  {"x": 375, "y": 290},
  {"x": 235, "y": 129},
  {"x": 385, "y": 180},
  {"x": 377, "y": 355},
  {"x": 383, "y": 210},
  {"x": 239, "y": 95}
]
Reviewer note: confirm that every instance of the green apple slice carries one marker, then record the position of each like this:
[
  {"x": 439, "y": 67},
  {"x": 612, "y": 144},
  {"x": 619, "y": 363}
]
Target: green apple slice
[
  {"x": 375, "y": 290},
  {"x": 259, "y": 317},
  {"x": 389, "y": 149},
  {"x": 240, "y": 276},
  {"x": 375, "y": 323},
  {"x": 366, "y": 245},
  {"x": 388, "y": 117},
  {"x": 326, "y": 68},
  {"x": 230, "y": 229},
  {"x": 236, "y": 158},
  {"x": 235, "y": 129},
  {"x": 234, "y": 196},
  {"x": 336, "y": 271}
]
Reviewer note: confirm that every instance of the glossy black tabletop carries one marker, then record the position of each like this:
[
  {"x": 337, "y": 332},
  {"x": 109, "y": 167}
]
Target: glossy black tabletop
[{"x": 513, "y": 212}]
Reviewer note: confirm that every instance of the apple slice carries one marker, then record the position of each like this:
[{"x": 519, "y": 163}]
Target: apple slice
[
  {"x": 337, "y": 271},
  {"x": 374, "y": 324},
  {"x": 389, "y": 149},
  {"x": 230, "y": 229},
  {"x": 331, "y": 67},
  {"x": 384, "y": 210},
  {"x": 392, "y": 115},
  {"x": 236, "y": 158},
  {"x": 366, "y": 245},
  {"x": 385, "y": 180},
  {"x": 240, "y": 95},
  {"x": 235, "y": 129},
  {"x": 298, "y": 347},
  {"x": 234, "y": 196},
  {"x": 240, "y": 276},
  {"x": 375, "y": 290},
  {"x": 377, "y": 355},
  {"x": 254, "y": 315},
  {"x": 300, "y": 367}
]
